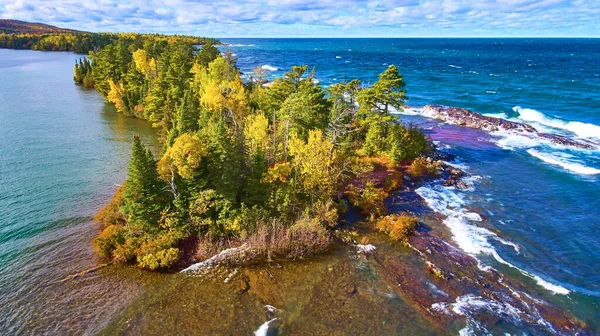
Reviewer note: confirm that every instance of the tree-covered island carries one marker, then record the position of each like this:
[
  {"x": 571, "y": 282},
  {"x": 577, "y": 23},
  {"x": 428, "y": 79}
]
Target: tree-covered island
[{"x": 269, "y": 167}]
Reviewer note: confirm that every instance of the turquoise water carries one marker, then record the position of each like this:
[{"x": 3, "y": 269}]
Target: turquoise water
[
  {"x": 542, "y": 200},
  {"x": 62, "y": 152}
]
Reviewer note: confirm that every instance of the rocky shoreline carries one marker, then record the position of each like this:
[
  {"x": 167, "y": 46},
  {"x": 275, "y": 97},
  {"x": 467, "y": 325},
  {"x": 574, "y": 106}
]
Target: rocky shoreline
[
  {"x": 448, "y": 287},
  {"x": 467, "y": 118}
]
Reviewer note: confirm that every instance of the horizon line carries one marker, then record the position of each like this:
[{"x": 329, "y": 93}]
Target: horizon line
[{"x": 405, "y": 37}]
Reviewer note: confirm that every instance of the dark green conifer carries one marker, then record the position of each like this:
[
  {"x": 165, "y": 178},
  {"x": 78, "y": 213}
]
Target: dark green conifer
[{"x": 144, "y": 196}]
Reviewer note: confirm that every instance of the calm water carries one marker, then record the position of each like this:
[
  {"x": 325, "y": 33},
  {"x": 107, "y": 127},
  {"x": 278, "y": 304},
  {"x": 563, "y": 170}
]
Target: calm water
[
  {"x": 543, "y": 200},
  {"x": 62, "y": 150}
]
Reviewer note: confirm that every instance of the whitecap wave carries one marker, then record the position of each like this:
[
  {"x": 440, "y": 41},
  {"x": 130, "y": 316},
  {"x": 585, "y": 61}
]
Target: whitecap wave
[
  {"x": 455, "y": 66},
  {"x": 496, "y": 115},
  {"x": 269, "y": 67},
  {"x": 561, "y": 161},
  {"x": 407, "y": 111},
  {"x": 338, "y": 57},
  {"x": 580, "y": 129},
  {"x": 365, "y": 248},
  {"x": 555, "y": 289},
  {"x": 470, "y": 238}
]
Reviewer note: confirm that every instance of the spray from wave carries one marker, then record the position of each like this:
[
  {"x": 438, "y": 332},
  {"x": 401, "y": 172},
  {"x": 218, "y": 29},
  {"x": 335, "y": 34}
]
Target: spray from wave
[
  {"x": 580, "y": 129},
  {"x": 269, "y": 67}
]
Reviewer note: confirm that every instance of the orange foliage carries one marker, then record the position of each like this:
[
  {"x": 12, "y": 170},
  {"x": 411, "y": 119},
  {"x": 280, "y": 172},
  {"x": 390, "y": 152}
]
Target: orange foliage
[{"x": 398, "y": 227}]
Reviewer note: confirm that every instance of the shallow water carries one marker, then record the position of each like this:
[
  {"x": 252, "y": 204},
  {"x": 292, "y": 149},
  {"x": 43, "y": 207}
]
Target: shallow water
[
  {"x": 539, "y": 201},
  {"x": 63, "y": 150},
  {"x": 338, "y": 293}
]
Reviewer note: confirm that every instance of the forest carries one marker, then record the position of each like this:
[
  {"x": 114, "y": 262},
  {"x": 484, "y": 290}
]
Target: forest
[
  {"x": 23, "y": 35},
  {"x": 267, "y": 166}
]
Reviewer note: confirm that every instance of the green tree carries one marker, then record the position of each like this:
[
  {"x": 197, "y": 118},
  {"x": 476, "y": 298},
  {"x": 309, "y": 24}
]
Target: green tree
[
  {"x": 207, "y": 54},
  {"x": 387, "y": 92},
  {"x": 144, "y": 196}
]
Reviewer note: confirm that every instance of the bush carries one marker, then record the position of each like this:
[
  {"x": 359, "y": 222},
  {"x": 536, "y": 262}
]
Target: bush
[
  {"x": 108, "y": 240},
  {"x": 370, "y": 199},
  {"x": 159, "y": 251},
  {"x": 421, "y": 166},
  {"x": 393, "y": 181},
  {"x": 111, "y": 214},
  {"x": 398, "y": 227},
  {"x": 161, "y": 258}
]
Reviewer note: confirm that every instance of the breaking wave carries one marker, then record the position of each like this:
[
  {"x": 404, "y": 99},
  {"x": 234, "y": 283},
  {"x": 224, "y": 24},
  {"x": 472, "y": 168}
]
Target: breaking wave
[
  {"x": 269, "y": 67},
  {"x": 472, "y": 239},
  {"x": 561, "y": 161},
  {"x": 580, "y": 129}
]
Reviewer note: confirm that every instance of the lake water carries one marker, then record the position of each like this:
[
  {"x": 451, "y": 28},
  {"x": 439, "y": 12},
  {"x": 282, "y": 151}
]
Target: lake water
[
  {"x": 63, "y": 150},
  {"x": 542, "y": 199}
]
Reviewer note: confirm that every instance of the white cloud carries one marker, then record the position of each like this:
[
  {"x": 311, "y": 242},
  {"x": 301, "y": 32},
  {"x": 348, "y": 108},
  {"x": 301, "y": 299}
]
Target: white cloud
[{"x": 316, "y": 17}]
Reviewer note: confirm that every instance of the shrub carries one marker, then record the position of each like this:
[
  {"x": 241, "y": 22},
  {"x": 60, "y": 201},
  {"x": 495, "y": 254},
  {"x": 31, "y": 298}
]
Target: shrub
[
  {"x": 126, "y": 251},
  {"x": 161, "y": 258},
  {"x": 370, "y": 199},
  {"x": 421, "y": 166},
  {"x": 398, "y": 227},
  {"x": 108, "y": 240},
  {"x": 111, "y": 214},
  {"x": 159, "y": 251},
  {"x": 393, "y": 181}
]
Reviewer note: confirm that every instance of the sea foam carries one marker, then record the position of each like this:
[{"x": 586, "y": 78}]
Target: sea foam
[
  {"x": 561, "y": 161},
  {"x": 580, "y": 129},
  {"x": 470, "y": 238},
  {"x": 269, "y": 67}
]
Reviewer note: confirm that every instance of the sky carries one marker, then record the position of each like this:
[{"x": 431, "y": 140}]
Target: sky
[{"x": 312, "y": 18}]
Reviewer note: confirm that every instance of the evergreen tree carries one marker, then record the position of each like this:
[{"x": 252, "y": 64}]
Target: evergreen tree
[
  {"x": 387, "y": 92},
  {"x": 207, "y": 54},
  {"x": 144, "y": 196}
]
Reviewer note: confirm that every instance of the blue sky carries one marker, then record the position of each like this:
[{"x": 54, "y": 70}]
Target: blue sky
[{"x": 296, "y": 18}]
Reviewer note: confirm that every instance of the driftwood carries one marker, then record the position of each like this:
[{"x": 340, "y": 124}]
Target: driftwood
[{"x": 82, "y": 273}]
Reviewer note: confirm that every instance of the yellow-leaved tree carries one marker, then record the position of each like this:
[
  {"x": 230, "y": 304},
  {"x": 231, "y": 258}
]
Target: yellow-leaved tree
[
  {"x": 115, "y": 95},
  {"x": 314, "y": 165},
  {"x": 143, "y": 64},
  {"x": 182, "y": 158},
  {"x": 256, "y": 133},
  {"x": 221, "y": 90}
]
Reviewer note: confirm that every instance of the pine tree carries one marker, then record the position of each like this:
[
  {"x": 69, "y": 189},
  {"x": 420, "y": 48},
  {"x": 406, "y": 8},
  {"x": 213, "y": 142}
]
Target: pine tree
[
  {"x": 207, "y": 54},
  {"x": 144, "y": 196}
]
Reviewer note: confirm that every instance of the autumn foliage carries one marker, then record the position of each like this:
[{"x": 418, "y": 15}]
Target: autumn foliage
[
  {"x": 398, "y": 227},
  {"x": 262, "y": 165}
]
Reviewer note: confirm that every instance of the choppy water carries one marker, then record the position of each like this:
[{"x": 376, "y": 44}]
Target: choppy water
[
  {"x": 542, "y": 201},
  {"x": 62, "y": 150}
]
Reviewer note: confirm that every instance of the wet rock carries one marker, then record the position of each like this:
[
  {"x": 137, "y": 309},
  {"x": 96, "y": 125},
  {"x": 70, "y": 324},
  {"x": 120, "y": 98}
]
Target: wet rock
[
  {"x": 466, "y": 118},
  {"x": 242, "y": 286},
  {"x": 351, "y": 289}
]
